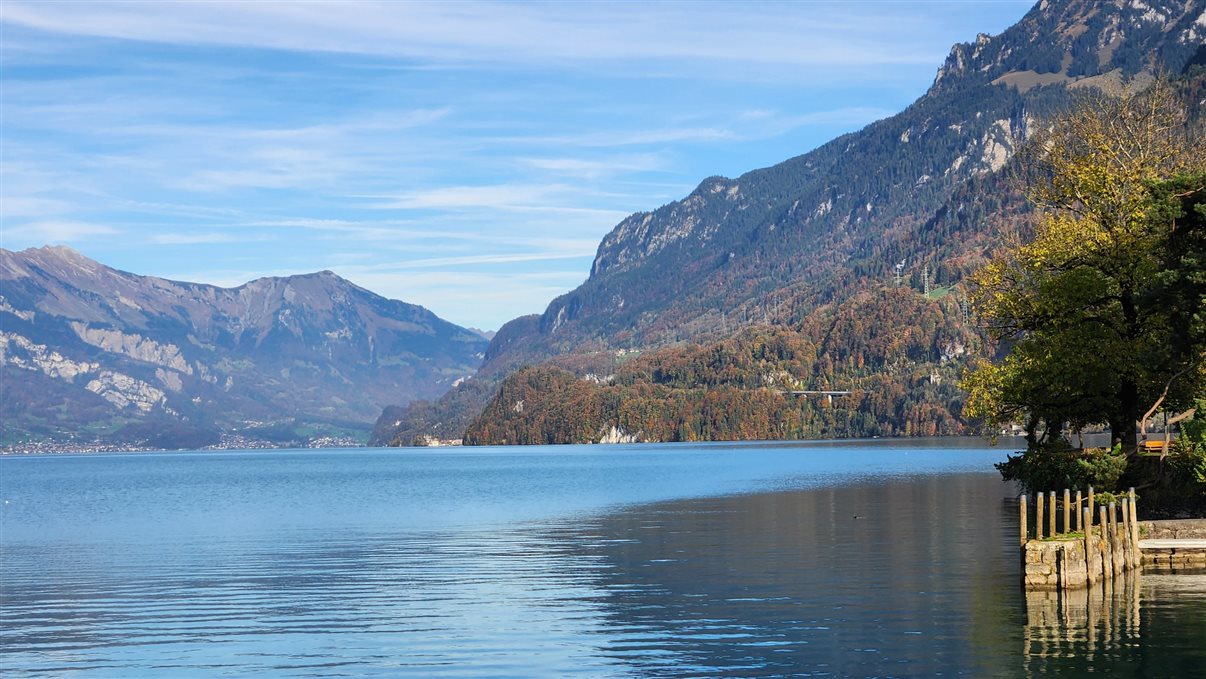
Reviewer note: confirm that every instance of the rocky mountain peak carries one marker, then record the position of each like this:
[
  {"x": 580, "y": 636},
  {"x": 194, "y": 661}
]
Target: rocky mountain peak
[
  {"x": 48, "y": 257},
  {"x": 1065, "y": 42},
  {"x": 313, "y": 350}
]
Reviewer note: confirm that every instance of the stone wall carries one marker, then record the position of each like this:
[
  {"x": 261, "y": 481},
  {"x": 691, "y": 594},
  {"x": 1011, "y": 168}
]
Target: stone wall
[
  {"x": 1176, "y": 529},
  {"x": 1162, "y": 557}
]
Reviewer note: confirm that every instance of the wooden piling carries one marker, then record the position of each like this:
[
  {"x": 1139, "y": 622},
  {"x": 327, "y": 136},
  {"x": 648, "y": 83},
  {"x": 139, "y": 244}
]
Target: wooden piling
[
  {"x": 1022, "y": 518},
  {"x": 1038, "y": 516},
  {"x": 1135, "y": 528},
  {"x": 1079, "y": 513},
  {"x": 1107, "y": 568},
  {"x": 1128, "y": 516},
  {"x": 1090, "y": 548},
  {"x": 1124, "y": 533},
  {"x": 1115, "y": 543},
  {"x": 1051, "y": 511},
  {"x": 1067, "y": 511},
  {"x": 1092, "y": 512}
]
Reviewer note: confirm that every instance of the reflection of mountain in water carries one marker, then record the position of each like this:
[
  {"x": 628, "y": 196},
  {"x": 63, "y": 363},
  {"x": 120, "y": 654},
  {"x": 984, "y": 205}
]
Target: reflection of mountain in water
[
  {"x": 902, "y": 578},
  {"x": 1119, "y": 627}
]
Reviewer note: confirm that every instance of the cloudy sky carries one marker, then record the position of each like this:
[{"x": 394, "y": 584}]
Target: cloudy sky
[{"x": 466, "y": 156}]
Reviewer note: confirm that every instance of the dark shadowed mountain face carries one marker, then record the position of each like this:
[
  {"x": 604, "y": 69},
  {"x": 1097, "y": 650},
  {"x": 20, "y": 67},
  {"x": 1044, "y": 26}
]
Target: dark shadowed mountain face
[
  {"x": 88, "y": 352},
  {"x": 925, "y": 189}
]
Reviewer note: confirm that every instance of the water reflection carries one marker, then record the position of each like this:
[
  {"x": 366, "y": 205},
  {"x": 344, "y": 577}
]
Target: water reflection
[
  {"x": 1136, "y": 625},
  {"x": 1104, "y": 617},
  {"x": 900, "y": 578}
]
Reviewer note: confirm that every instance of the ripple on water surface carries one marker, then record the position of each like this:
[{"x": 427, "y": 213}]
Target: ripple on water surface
[{"x": 717, "y": 561}]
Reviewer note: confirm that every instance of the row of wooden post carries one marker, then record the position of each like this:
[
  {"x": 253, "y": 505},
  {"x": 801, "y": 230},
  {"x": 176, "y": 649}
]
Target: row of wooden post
[{"x": 1083, "y": 519}]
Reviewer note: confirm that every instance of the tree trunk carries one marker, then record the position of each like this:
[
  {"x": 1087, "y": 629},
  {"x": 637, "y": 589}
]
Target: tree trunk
[
  {"x": 1123, "y": 427},
  {"x": 1128, "y": 389}
]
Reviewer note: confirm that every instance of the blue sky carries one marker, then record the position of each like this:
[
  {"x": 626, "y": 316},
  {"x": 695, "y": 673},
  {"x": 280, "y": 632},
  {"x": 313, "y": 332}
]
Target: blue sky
[{"x": 466, "y": 156}]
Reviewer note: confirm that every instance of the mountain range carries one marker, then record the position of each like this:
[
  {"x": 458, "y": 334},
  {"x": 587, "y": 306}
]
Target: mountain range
[
  {"x": 914, "y": 201},
  {"x": 92, "y": 354}
]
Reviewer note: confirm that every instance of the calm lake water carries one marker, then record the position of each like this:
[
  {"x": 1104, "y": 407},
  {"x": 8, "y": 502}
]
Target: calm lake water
[{"x": 825, "y": 559}]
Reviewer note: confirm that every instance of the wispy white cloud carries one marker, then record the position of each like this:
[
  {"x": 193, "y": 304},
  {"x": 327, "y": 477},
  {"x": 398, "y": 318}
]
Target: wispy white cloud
[
  {"x": 621, "y": 137},
  {"x": 730, "y": 127},
  {"x": 556, "y": 200},
  {"x": 33, "y": 206},
  {"x": 57, "y": 232},
  {"x": 456, "y": 197},
  {"x": 597, "y": 168},
  {"x": 827, "y": 34},
  {"x": 197, "y": 238},
  {"x": 580, "y": 250}
]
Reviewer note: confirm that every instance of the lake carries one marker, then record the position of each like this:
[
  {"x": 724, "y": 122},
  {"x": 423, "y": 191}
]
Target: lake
[{"x": 846, "y": 559}]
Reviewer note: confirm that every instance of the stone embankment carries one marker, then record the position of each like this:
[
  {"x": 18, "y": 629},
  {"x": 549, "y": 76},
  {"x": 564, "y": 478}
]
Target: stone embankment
[
  {"x": 1099, "y": 546},
  {"x": 1088, "y": 551},
  {"x": 1173, "y": 546}
]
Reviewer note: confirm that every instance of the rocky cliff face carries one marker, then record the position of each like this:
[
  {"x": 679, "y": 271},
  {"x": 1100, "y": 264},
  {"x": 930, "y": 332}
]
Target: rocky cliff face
[
  {"x": 88, "y": 351},
  {"x": 921, "y": 189},
  {"x": 798, "y": 222}
]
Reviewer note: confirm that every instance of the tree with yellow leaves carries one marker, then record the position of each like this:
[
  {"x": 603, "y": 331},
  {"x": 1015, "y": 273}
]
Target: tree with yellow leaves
[{"x": 1082, "y": 307}]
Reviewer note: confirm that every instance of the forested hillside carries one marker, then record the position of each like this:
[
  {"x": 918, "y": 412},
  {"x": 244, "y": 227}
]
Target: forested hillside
[{"x": 902, "y": 382}]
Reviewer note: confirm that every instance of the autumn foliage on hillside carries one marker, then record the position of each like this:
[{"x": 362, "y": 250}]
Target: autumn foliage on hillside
[{"x": 897, "y": 352}]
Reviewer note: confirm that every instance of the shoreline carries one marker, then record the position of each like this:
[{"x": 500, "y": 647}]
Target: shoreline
[{"x": 47, "y": 448}]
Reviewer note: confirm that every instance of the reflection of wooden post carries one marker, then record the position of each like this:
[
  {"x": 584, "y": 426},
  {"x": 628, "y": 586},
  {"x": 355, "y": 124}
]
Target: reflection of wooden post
[
  {"x": 1022, "y": 518},
  {"x": 1038, "y": 516},
  {"x": 1079, "y": 513},
  {"x": 1091, "y": 611},
  {"x": 1108, "y": 615},
  {"x": 1134, "y": 617},
  {"x": 1067, "y": 511},
  {"x": 1091, "y": 512},
  {"x": 1051, "y": 510}
]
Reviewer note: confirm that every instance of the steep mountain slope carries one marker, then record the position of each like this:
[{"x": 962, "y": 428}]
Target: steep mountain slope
[
  {"x": 735, "y": 244},
  {"x": 924, "y": 189},
  {"x": 88, "y": 352}
]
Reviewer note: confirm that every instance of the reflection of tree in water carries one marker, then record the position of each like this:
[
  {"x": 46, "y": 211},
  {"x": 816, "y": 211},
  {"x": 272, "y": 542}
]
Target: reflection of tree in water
[
  {"x": 898, "y": 578},
  {"x": 1151, "y": 625}
]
